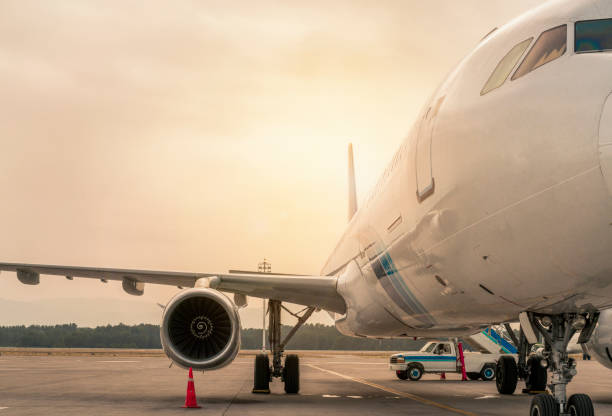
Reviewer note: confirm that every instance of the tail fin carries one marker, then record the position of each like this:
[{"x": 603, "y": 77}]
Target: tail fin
[{"x": 352, "y": 196}]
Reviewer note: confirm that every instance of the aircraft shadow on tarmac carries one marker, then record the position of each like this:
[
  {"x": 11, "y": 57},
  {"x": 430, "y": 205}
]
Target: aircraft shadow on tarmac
[{"x": 440, "y": 382}]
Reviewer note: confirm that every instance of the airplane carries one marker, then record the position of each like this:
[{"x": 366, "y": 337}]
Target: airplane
[{"x": 496, "y": 208}]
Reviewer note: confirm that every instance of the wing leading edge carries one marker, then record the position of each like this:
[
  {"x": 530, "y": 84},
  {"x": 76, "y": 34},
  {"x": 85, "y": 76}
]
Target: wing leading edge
[{"x": 319, "y": 291}]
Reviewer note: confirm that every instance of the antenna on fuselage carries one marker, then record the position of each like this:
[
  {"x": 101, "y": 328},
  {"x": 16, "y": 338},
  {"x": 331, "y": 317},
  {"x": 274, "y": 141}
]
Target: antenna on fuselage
[{"x": 352, "y": 196}]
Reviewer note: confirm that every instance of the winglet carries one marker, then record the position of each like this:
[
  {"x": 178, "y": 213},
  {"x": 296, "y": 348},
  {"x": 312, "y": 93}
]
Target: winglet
[{"x": 352, "y": 197}]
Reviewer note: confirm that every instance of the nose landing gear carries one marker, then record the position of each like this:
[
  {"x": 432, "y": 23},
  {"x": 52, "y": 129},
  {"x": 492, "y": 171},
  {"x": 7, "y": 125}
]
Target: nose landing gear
[{"x": 557, "y": 330}]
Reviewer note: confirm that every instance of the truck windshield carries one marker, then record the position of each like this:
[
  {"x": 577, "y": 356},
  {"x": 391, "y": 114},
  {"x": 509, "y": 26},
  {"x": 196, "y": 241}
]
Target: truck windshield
[{"x": 593, "y": 36}]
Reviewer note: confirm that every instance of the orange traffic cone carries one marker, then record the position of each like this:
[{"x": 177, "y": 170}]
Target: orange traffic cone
[
  {"x": 190, "y": 399},
  {"x": 442, "y": 376}
]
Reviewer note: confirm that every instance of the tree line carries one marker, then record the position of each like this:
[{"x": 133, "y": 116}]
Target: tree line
[{"x": 145, "y": 336}]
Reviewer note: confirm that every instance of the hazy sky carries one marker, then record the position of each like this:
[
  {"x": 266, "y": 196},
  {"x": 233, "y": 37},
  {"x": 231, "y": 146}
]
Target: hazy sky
[{"x": 203, "y": 136}]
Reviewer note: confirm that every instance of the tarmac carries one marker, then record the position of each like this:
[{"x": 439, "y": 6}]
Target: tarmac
[{"x": 332, "y": 383}]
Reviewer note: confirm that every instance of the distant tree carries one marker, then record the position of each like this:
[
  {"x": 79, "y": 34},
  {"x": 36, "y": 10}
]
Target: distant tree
[{"x": 309, "y": 337}]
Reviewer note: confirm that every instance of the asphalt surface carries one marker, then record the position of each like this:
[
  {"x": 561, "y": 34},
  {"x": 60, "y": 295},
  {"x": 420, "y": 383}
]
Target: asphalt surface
[{"x": 330, "y": 385}]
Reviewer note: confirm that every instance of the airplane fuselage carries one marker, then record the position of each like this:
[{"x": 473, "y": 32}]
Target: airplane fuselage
[{"x": 495, "y": 203}]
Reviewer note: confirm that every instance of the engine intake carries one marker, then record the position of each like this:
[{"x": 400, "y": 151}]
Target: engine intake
[{"x": 201, "y": 329}]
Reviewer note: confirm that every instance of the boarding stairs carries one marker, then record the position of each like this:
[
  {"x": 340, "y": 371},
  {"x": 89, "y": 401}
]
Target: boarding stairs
[{"x": 492, "y": 340}]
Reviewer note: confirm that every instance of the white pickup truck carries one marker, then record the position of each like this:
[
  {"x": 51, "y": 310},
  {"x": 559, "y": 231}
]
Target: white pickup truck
[{"x": 442, "y": 357}]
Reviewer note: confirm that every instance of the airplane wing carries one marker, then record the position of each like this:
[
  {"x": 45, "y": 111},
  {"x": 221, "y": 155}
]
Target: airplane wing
[{"x": 319, "y": 291}]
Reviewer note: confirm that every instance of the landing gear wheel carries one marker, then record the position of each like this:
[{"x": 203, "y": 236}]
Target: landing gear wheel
[
  {"x": 291, "y": 374},
  {"x": 580, "y": 405},
  {"x": 473, "y": 376},
  {"x": 488, "y": 372},
  {"x": 415, "y": 372},
  {"x": 544, "y": 405},
  {"x": 507, "y": 375},
  {"x": 261, "y": 376},
  {"x": 535, "y": 380},
  {"x": 402, "y": 374}
]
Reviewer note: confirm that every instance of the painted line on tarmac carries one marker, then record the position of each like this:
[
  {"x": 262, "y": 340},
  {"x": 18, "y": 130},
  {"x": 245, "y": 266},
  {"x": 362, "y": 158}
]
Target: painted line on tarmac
[
  {"x": 117, "y": 361},
  {"x": 2, "y": 408},
  {"x": 410, "y": 396}
]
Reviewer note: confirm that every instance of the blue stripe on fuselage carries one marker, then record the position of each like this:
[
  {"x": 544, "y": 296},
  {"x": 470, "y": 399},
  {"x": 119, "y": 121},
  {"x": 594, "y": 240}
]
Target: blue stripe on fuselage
[{"x": 398, "y": 291}]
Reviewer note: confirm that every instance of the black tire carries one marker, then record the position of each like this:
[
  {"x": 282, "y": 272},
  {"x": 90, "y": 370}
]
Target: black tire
[
  {"x": 535, "y": 380},
  {"x": 415, "y": 371},
  {"x": 261, "y": 375},
  {"x": 580, "y": 405},
  {"x": 544, "y": 405},
  {"x": 488, "y": 372},
  {"x": 507, "y": 375},
  {"x": 291, "y": 374},
  {"x": 402, "y": 374},
  {"x": 473, "y": 376}
]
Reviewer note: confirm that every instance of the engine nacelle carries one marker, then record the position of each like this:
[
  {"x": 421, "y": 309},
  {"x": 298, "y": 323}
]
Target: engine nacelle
[
  {"x": 200, "y": 329},
  {"x": 600, "y": 344}
]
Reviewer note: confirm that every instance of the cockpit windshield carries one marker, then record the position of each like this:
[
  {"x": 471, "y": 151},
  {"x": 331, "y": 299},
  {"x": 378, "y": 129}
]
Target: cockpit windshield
[
  {"x": 551, "y": 45},
  {"x": 593, "y": 36}
]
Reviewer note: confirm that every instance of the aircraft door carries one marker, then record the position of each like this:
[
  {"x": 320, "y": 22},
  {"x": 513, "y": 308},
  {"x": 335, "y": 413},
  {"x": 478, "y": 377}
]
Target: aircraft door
[
  {"x": 424, "y": 172},
  {"x": 605, "y": 142}
]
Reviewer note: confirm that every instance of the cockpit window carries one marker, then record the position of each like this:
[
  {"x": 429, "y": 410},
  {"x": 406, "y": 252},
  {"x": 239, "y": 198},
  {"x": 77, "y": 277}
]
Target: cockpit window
[
  {"x": 505, "y": 66},
  {"x": 593, "y": 36},
  {"x": 551, "y": 45}
]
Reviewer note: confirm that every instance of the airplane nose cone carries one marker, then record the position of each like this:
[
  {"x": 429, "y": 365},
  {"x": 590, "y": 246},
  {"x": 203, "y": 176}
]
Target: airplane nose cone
[{"x": 605, "y": 142}]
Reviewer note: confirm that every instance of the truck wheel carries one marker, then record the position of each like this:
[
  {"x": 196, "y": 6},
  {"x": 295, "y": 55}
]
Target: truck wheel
[
  {"x": 488, "y": 372},
  {"x": 402, "y": 374},
  {"x": 473, "y": 376},
  {"x": 535, "y": 380},
  {"x": 415, "y": 371},
  {"x": 507, "y": 375}
]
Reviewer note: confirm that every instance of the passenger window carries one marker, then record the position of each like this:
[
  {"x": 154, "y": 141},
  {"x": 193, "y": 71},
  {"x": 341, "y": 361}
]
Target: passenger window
[
  {"x": 505, "y": 66},
  {"x": 551, "y": 45},
  {"x": 593, "y": 36}
]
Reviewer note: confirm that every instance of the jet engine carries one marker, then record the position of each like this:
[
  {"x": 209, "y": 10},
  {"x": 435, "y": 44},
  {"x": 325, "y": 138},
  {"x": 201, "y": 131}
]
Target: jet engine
[
  {"x": 200, "y": 329},
  {"x": 600, "y": 344}
]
